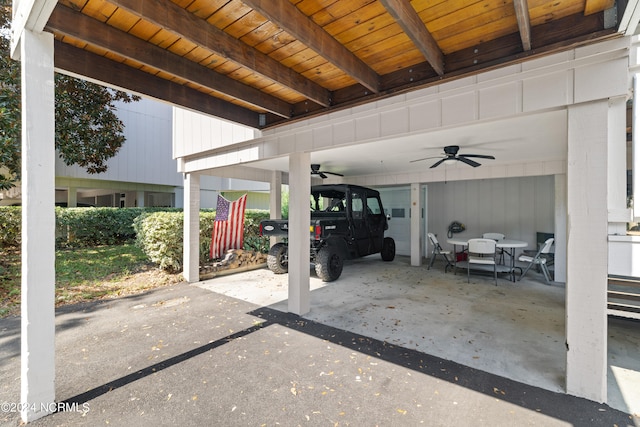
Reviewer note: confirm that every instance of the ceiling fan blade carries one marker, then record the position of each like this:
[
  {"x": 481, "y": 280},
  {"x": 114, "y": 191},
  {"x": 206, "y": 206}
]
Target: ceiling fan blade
[
  {"x": 436, "y": 164},
  {"x": 468, "y": 161},
  {"x": 322, "y": 175},
  {"x": 425, "y": 158},
  {"x": 333, "y": 173},
  {"x": 479, "y": 156}
]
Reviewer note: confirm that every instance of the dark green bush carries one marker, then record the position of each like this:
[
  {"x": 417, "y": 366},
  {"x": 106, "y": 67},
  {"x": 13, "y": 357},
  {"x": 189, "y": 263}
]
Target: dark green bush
[
  {"x": 160, "y": 235},
  {"x": 86, "y": 227},
  {"x": 78, "y": 227},
  {"x": 10, "y": 220},
  {"x": 158, "y": 231}
]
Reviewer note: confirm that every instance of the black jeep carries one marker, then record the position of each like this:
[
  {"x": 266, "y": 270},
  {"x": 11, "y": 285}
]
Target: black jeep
[{"x": 347, "y": 222}]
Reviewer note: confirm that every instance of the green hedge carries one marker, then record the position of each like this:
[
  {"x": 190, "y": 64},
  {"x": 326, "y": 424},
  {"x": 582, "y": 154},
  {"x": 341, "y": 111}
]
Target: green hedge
[
  {"x": 160, "y": 236},
  {"x": 77, "y": 227},
  {"x": 10, "y": 220},
  {"x": 86, "y": 227},
  {"x": 158, "y": 231}
]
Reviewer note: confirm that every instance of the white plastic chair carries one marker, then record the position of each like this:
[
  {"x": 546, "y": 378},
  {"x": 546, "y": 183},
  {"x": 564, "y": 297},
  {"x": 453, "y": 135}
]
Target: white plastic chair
[
  {"x": 437, "y": 250},
  {"x": 497, "y": 237},
  {"x": 482, "y": 252},
  {"x": 538, "y": 259}
]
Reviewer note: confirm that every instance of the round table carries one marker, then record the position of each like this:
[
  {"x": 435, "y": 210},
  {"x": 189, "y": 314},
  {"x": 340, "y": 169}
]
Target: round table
[{"x": 500, "y": 244}]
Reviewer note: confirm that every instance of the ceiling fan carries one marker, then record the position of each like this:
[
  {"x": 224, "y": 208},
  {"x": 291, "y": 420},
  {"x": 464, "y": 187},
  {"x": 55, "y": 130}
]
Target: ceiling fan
[
  {"x": 315, "y": 170},
  {"x": 451, "y": 155}
]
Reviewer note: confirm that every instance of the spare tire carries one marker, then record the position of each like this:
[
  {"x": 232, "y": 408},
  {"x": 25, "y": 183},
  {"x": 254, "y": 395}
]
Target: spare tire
[{"x": 278, "y": 258}]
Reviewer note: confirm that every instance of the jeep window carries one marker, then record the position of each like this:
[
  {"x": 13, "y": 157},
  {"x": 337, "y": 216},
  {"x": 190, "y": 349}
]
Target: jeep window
[
  {"x": 328, "y": 201},
  {"x": 373, "y": 206},
  {"x": 357, "y": 206}
]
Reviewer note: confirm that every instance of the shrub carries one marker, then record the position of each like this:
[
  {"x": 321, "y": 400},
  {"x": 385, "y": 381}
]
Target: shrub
[
  {"x": 10, "y": 226},
  {"x": 158, "y": 231},
  {"x": 160, "y": 235},
  {"x": 86, "y": 227}
]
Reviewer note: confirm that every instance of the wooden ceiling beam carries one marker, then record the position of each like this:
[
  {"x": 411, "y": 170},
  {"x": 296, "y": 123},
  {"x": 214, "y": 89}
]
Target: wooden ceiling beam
[
  {"x": 74, "y": 24},
  {"x": 84, "y": 64},
  {"x": 594, "y": 6},
  {"x": 576, "y": 31},
  {"x": 177, "y": 20},
  {"x": 524, "y": 23},
  {"x": 288, "y": 17},
  {"x": 407, "y": 17}
]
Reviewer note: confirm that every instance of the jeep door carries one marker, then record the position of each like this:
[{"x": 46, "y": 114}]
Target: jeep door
[
  {"x": 359, "y": 223},
  {"x": 368, "y": 222},
  {"x": 376, "y": 220}
]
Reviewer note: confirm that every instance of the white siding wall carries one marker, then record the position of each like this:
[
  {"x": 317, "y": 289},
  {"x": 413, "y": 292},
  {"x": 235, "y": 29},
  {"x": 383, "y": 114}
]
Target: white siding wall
[
  {"x": 146, "y": 155},
  {"x": 516, "y": 207},
  {"x": 195, "y": 133}
]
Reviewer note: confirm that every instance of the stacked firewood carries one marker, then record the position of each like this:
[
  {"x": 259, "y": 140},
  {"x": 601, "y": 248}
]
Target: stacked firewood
[{"x": 234, "y": 259}]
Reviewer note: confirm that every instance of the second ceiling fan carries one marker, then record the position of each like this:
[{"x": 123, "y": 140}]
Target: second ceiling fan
[{"x": 451, "y": 154}]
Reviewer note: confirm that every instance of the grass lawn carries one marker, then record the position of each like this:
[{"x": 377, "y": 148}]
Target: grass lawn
[{"x": 86, "y": 274}]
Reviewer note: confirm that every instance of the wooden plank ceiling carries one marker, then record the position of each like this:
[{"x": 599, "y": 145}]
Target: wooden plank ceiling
[{"x": 266, "y": 62}]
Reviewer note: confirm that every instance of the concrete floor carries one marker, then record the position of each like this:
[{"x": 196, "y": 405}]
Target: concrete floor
[{"x": 515, "y": 330}]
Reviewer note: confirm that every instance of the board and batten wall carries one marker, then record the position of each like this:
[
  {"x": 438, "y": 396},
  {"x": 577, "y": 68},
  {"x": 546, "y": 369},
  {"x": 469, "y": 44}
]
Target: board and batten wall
[
  {"x": 145, "y": 157},
  {"x": 517, "y": 207}
]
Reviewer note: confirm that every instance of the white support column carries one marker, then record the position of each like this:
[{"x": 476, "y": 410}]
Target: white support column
[
  {"x": 560, "y": 232},
  {"x": 275, "y": 201},
  {"x": 191, "y": 233},
  {"x": 72, "y": 197},
  {"x": 416, "y": 221},
  {"x": 38, "y": 227},
  {"x": 586, "y": 289},
  {"x": 299, "y": 220}
]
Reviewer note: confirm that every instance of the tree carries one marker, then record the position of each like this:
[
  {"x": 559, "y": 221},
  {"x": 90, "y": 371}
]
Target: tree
[{"x": 88, "y": 131}]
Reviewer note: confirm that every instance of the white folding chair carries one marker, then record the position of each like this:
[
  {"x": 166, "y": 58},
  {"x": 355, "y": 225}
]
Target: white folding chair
[
  {"x": 482, "y": 252},
  {"x": 497, "y": 237},
  {"x": 538, "y": 259},
  {"x": 437, "y": 250}
]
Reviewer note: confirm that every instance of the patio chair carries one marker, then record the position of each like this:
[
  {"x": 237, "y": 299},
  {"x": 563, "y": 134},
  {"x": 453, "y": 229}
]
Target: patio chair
[
  {"x": 482, "y": 252},
  {"x": 538, "y": 259},
  {"x": 496, "y": 237},
  {"x": 437, "y": 250}
]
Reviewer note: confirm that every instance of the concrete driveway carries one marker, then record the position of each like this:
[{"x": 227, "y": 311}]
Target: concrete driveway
[{"x": 387, "y": 344}]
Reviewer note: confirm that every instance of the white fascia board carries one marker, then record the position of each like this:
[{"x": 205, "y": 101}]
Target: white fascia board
[
  {"x": 630, "y": 18},
  {"x": 31, "y": 15}
]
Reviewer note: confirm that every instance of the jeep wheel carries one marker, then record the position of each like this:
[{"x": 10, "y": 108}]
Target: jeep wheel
[
  {"x": 278, "y": 258},
  {"x": 388, "y": 252},
  {"x": 328, "y": 264}
]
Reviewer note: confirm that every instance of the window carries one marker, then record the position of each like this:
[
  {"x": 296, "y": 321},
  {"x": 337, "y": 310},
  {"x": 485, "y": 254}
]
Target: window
[
  {"x": 357, "y": 206},
  {"x": 373, "y": 206}
]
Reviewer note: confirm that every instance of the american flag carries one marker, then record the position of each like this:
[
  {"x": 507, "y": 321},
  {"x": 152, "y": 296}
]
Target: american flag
[{"x": 228, "y": 227}]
